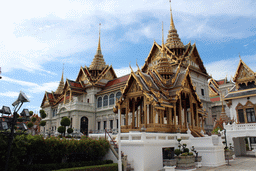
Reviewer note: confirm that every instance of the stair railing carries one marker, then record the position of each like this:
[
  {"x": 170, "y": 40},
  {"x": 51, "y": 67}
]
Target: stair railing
[{"x": 111, "y": 139}]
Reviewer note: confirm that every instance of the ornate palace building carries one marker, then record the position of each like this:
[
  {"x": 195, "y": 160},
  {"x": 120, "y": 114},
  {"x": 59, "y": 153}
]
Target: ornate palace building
[
  {"x": 168, "y": 94},
  {"x": 218, "y": 89},
  {"x": 241, "y": 100}
]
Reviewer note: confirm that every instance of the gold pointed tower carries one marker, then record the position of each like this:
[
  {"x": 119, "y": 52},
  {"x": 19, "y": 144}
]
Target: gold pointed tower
[
  {"x": 98, "y": 62},
  {"x": 61, "y": 84},
  {"x": 164, "y": 68},
  {"x": 173, "y": 41}
]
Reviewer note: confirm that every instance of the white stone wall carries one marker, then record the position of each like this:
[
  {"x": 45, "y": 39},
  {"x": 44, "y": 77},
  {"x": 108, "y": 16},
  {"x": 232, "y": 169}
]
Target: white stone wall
[{"x": 235, "y": 103}]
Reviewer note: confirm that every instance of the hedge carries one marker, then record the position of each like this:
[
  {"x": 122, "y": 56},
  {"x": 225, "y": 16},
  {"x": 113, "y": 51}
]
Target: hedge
[
  {"x": 56, "y": 166},
  {"x": 33, "y": 150},
  {"x": 106, "y": 167}
]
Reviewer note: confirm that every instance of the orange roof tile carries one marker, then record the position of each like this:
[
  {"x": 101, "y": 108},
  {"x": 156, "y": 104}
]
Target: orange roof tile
[{"x": 117, "y": 80}]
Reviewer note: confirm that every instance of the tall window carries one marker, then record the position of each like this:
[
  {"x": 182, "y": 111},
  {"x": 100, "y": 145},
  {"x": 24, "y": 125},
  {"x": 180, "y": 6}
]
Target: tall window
[
  {"x": 99, "y": 102},
  {"x": 118, "y": 95},
  {"x": 111, "y": 99},
  {"x": 202, "y": 92},
  {"x": 241, "y": 115},
  {"x": 117, "y": 123},
  {"x": 250, "y": 115},
  {"x": 111, "y": 124},
  {"x": 105, "y": 101},
  {"x": 105, "y": 124},
  {"x": 98, "y": 125}
]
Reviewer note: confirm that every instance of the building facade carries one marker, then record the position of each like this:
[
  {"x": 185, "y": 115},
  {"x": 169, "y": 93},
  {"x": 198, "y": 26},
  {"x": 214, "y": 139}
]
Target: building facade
[
  {"x": 89, "y": 100},
  {"x": 241, "y": 100}
]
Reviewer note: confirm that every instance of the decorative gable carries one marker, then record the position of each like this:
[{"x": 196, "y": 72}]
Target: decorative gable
[
  {"x": 134, "y": 87},
  {"x": 243, "y": 74}
]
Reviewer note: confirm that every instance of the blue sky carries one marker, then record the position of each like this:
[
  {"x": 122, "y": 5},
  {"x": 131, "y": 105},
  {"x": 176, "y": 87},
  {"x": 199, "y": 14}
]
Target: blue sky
[{"x": 37, "y": 37}]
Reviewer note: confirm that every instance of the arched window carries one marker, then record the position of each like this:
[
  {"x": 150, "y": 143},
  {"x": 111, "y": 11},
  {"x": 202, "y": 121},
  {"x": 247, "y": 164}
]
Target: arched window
[
  {"x": 111, "y": 99},
  {"x": 99, "y": 102},
  {"x": 118, "y": 95},
  {"x": 105, "y": 101}
]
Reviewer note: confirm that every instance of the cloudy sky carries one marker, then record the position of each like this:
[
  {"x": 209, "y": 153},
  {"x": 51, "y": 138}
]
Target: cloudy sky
[{"x": 37, "y": 37}]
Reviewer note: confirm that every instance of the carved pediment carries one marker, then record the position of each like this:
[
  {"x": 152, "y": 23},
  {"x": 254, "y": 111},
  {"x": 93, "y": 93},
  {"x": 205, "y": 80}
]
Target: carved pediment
[{"x": 134, "y": 87}]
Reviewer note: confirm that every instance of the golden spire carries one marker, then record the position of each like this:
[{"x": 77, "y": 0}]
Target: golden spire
[
  {"x": 163, "y": 48},
  {"x": 173, "y": 40},
  {"x": 98, "y": 62},
  {"x": 61, "y": 84},
  {"x": 172, "y": 23}
]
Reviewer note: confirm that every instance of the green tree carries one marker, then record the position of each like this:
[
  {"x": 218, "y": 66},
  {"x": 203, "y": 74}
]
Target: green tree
[
  {"x": 30, "y": 125},
  {"x": 33, "y": 119},
  {"x": 42, "y": 123},
  {"x": 31, "y": 113},
  {"x": 61, "y": 130},
  {"x": 65, "y": 122},
  {"x": 42, "y": 114},
  {"x": 70, "y": 130}
]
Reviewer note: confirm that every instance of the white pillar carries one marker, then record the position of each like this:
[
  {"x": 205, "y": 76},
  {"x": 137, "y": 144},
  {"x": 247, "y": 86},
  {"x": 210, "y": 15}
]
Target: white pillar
[{"x": 119, "y": 141}]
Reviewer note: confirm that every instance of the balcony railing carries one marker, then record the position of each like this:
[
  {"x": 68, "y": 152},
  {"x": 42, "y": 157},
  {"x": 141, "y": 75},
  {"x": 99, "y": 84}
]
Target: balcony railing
[
  {"x": 240, "y": 127},
  {"x": 76, "y": 106}
]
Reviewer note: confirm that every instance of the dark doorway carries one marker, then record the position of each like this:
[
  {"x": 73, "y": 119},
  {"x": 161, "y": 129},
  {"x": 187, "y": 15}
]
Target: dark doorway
[
  {"x": 84, "y": 125},
  {"x": 168, "y": 153}
]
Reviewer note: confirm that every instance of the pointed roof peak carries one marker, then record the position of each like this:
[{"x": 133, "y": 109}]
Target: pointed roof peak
[
  {"x": 173, "y": 40},
  {"x": 172, "y": 26},
  {"x": 98, "y": 62},
  {"x": 61, "y": 84}
]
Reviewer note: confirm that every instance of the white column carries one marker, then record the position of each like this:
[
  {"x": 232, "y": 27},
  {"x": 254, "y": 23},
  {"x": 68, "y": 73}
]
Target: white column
[
  {"x": 119, "y": 141},
  {"x": 147, "y": 114}
]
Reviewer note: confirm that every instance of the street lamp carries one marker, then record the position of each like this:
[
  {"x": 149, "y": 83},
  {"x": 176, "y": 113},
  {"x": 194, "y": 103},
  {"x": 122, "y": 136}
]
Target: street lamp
[{"x": 22, "y": 98}]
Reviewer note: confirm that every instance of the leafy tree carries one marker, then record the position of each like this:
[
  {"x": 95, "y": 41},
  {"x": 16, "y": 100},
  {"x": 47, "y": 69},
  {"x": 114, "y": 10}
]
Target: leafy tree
[
  {"x": 61, "y": 130},
  {"x": 30, "y": 125},
  {"x": 33, "y": 119},
  {"x": 65, "y": 122},
  {"x": 42, "y": 114},
  {"x": 42, "y": 123},
  {"x": 31, "y": 113},
  {"x": 70, "y": 130}
]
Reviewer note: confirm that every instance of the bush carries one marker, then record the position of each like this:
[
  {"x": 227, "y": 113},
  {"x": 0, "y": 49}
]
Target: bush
[
  {"x": 70, "y": 130},
  {"x": 31, "y": 113},
  {"x": 61, "y": 129},
  {"x": 42, "y": 114},
  {"x": 33, "y": 119},
  {"x": 68, "y": 136},
  {"x": 177, "y": 152},
  {"x": 184, "y": 154},
  {"x": 185, "y": 150},
  {"x": 190, "y": 154},
  {"x": 42, "y": 123},
  {"x": 30, "y": 125}
]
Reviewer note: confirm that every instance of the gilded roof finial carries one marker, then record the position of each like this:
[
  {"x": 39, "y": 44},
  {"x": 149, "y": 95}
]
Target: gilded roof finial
[
  {"x": 240, "y": 56},
  {"x": 173, "y": 41},
  {"x": 172, "y": 23},
  {"x": 99, "y": 48},
  {"x": 163, "y": 47},
  {"x": 130, "y": 66},
  {"x": 137, "y": 65},
  {"x": 62, "y": 73},
  {"x": 98, "y": 62}
]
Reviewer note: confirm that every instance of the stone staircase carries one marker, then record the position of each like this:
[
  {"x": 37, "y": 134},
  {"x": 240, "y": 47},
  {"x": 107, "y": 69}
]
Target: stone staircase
[{"x": 114, "y": 149}]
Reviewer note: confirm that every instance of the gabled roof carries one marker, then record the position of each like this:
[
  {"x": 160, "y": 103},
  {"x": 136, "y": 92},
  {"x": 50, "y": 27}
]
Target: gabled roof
[{"x": 243, "y": 74}]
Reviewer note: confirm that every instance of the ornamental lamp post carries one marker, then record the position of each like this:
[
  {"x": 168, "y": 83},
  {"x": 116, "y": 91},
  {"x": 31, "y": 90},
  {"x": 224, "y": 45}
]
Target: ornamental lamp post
[{"x": 22, "y": 98}]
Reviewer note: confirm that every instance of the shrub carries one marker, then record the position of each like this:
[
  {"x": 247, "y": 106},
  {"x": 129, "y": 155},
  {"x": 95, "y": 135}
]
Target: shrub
[
  {"x": 70, "y": 130},
  {"x": 31, "y": 113},
  {"x": 33, "y": 119},
  {"x": 179, "y": 139},
  {"x": 61, "y": 129},
  {"x": 65, "y": 122},
  {"x": 185, "y": 150},
  {"x": 42, "y": 123},
  {"x": 190, "y": 154},
  {"x": 42, "y": 114},
  {"x": 30, "y": 125},
  {"x": 177, "y": 152},
  {"x": 184, "y": 154}
]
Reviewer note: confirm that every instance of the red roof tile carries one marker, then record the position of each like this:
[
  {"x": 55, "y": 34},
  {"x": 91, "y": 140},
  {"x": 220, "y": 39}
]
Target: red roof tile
[
  {"x": 220, "y": 82},
  {"x": 215, "y": 99},
  {"x": 117, "y": 80}
]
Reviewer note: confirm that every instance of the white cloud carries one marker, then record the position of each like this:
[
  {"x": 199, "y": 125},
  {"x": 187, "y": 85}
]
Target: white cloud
[
  {"x": 32, "y": 87},
  {"x": 12, "y": 94},
  {"x": 124, "y": 71},
  {"x": 36, "y": 32},
  {"x": 227, "y": 67}
]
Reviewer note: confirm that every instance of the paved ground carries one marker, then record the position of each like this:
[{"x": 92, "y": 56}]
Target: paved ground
[{"x": 238, "y": 164}]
